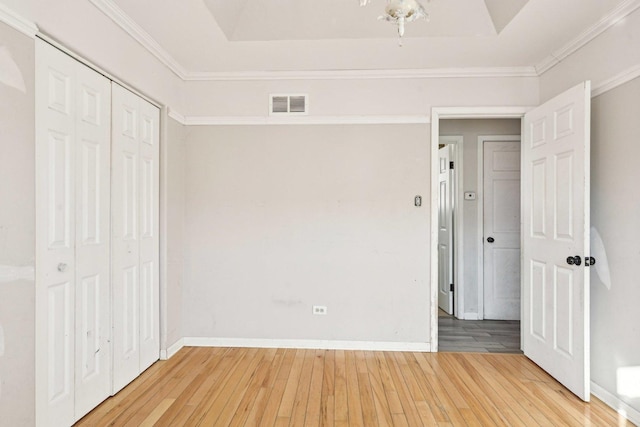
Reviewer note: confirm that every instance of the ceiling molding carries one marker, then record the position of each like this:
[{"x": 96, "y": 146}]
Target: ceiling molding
[
  {"x": 300, "y": 120},
  {"x": 177, "y": 116},
  {"x": 16, "y": 21},
  {"x": 117, "y": 15},
  {"x": 624, "y": 9},
  {"x": 486, "y": 72},
  {"x": 615, "y": 81}
]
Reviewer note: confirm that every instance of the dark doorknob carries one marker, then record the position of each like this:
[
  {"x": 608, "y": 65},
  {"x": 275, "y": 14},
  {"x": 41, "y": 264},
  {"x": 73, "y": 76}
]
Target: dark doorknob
[
  {"x": 589, "y": 260},
  {"x": 490, "y": 239},
  {"x": 574, "y": 260}
]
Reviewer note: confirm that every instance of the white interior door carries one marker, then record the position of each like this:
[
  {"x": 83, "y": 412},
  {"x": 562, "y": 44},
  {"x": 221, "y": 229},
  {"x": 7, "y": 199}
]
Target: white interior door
[
  {"x": 55, "y": 236},
  {"x": 73, "y": 369},
  {"x": 149, "y": 254},
  {"x": 445, "y": 230},
  {"x": 135, "y": 245},
  {"x": 501, "y": 226},
  {"x": 555, "y": 208},
  {"x": 93, "y": 257}
]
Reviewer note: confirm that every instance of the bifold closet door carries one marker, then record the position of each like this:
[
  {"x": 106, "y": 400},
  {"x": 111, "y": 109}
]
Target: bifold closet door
[
  {"x": 135, "y": 243},
  {"x": 73, "y": 324}
]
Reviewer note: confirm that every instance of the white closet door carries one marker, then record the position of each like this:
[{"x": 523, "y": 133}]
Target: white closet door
[
  {"x": 149, "y": 230},
  {"x": 93, "y": 287},
  {"x": 55, "y": 236},
  {"x": 134, "y": 235},
  {"x": 73, "y": 368}
]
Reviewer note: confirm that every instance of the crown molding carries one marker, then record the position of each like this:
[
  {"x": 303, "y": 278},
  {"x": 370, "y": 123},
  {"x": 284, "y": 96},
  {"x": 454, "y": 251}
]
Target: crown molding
[
  {"x": 486, "y": 72},
  {"x": 299, "y": 120},
  {"x": 124, "y": 21},
  {"x": 16, "y": 21},
  {"x": 177, "y": 116},
  {"x": 624, "y": 9},
  {"x": 615, "y": 81}
]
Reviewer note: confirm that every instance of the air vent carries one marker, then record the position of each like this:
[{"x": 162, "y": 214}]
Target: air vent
[{"x": 288, "y": 104}]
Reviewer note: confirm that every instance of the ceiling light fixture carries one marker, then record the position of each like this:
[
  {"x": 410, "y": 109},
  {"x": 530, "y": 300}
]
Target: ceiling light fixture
[{"x": 401, "y": 11}]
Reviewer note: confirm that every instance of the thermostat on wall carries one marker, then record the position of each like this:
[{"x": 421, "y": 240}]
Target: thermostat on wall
[{"x": 469, "y": 195}]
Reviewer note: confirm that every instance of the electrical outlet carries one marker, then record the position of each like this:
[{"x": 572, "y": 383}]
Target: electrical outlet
[{"x": 319, "y": 309}]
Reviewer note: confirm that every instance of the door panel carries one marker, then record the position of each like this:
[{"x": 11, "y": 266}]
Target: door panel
[
  {"x": 135, "y": 235},
  {"x": 556, "y": 169},
  {"x": 92, "y": 243},
  {"x": 125, "y": 242},
  {"x": 60, "y": 200},
  {"x": 130, "y": 314},
  {"x": 149, "y": 231},
  {"x": 60, "y": 364},
  {"x": 445, "y": 230},
  {"x": 501, "y": 216},
  {"x": 55, "y": 236}
]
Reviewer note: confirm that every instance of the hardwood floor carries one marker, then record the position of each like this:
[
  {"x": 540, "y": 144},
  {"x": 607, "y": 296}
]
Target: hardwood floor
[
  {"x": 277, "y": 387},
  {"x": 479, "y": 336}
]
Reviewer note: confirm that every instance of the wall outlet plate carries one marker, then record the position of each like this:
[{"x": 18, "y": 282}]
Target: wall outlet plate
[{"x": 320, "y": 309}]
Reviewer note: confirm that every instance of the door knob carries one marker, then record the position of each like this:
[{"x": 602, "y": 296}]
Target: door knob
[
  {"x": 490, "y": 239},
  {"x": 589, "y": 260},
  {"x": 62, "y": 267},
  {"x": 574, "y": 260}
]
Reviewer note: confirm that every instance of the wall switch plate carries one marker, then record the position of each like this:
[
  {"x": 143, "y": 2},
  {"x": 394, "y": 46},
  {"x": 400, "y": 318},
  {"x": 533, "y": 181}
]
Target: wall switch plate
[
  {"x": 320, "y": 309},
  {"x": 469, "y": 195}
]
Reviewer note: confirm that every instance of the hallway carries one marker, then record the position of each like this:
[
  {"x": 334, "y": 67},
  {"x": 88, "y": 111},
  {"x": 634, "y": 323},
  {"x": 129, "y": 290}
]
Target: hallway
[{"x": 478, "y": 336}]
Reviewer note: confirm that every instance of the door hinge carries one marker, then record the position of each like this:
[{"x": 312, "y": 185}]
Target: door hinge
[
  {"x": 450, "y": 165},
  {"x": 451, "y": 287}
]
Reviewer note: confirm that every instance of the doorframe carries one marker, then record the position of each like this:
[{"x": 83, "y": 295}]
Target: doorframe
[
  {"x": 457, "y": 141},
  {"x": 480, "y": 192},
  {"x": 437, "y": 113}
]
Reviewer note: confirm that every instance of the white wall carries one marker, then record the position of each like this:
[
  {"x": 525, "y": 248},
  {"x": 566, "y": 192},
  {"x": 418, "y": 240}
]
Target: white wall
[
  {"x": 172, "y": 225},
  {"x": 281, "y": 218},
  {"x": 470, "y": 130},
  {"x": 17, "y": 232},
  {"x": 404, "y": 96},
  {"x": 615, "y": 214}
]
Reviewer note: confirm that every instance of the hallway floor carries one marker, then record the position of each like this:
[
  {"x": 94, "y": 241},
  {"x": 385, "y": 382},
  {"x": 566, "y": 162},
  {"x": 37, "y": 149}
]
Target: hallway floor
[{"x": 478, "y": 336}]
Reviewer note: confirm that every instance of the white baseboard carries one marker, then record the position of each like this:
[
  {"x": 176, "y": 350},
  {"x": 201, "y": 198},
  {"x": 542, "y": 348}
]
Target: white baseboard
[
  {"x": 308, "y": 344},
  {"x": 615, "y": 403},
  {"x": 471, "y": 316},
  {"x": 173, "y": 349}
]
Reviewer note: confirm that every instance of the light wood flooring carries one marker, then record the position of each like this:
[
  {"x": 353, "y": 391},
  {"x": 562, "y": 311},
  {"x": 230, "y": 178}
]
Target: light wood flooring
[
  {"x": 277, "y": 387},
  {"x": 478, "y": 336}
]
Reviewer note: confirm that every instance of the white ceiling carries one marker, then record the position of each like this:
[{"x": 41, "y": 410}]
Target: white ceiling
[
  {"x": 259, "y": 20},
  {"x": 309, "y": 35}
]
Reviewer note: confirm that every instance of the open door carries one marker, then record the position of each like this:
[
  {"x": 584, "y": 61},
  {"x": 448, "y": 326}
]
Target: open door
[
  {"x": 445, "y": 230},
  {"x": 555, "y": 212}
]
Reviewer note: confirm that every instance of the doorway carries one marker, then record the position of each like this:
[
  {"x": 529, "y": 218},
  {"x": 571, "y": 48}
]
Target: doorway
[
  {"x": 555, "y": 225},
  {"x": 485, "y": 255}
]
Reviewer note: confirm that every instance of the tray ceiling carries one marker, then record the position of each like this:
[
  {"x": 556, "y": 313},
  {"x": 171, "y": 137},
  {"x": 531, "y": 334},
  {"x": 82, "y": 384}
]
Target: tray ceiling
[
  {"x": 259, "y": 20},
  {"x": 205, "y": 36}
]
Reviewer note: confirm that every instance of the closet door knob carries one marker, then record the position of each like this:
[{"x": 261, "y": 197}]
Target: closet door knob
[{"x": 62, "y": 267}]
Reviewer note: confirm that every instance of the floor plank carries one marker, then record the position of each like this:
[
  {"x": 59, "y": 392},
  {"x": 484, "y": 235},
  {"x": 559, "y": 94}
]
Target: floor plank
[{"x": 283, "y": 387}]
